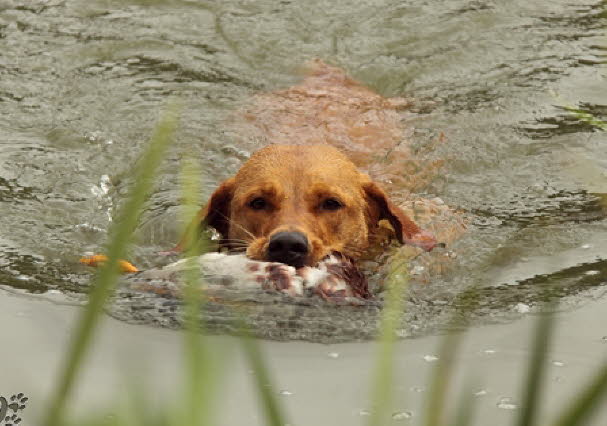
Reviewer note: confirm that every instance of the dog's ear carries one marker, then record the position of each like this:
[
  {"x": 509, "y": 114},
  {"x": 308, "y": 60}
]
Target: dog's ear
[
  {"x": 215, "y": 214},
  {"x": 407, "y": 232}
]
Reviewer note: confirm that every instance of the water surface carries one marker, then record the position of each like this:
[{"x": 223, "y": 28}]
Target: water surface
[{"x": 82, "y": 84}]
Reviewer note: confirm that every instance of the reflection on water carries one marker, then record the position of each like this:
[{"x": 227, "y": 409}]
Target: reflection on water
[
  {"x": 83, "y": 82},
  {"x": 584, "y": 118},
  {"x": 543, "y": 207}
]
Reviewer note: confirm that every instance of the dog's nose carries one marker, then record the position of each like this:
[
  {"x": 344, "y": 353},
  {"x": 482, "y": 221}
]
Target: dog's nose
[{"x": 288, "y": 247}]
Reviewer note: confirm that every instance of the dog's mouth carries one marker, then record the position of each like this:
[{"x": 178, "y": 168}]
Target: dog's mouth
[
  {"x": 296, "y": 262},
  {"x": 308, "y": 261},
  {"x": 344, "y": 267},
  {"x": 333, "y": 265},
  {"x": 336, "y": 266},
  {"x": 293, "y": 249}
]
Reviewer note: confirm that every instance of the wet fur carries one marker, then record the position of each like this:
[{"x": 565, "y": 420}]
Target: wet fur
[{"x": 321, "y": 133}]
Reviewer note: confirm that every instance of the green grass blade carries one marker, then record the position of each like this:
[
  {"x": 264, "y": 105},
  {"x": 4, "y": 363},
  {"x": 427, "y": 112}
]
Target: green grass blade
[
  {"x": 265, "y": 389},
  {"x": 381, "y": 394},
  {"x": 103, "y": 285},
  {"x": 536, "y": 370},
  {"x": 199, "y": 380},
  {"x": 586, "y": 117},
  {"x": 465, "y": 407},
  {"x": 588, "y": 400},
  {"x": 441, "y": 377}
]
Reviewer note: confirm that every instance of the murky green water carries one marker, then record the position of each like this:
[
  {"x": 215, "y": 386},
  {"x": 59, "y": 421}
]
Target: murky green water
[{"x": 82, "y": 83}]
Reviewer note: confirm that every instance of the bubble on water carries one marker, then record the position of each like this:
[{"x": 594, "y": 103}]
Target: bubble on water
[
  {"x": 364, "y": 413},
  {"x": 285, "y": 392},
  {"x": 604, "y": 339},
  {"x": 481, "y": 392},
  {"x": 105, "y": 183},
  {"x": 558, "y": 363},
  {"x": 489, "y": 351},
  {"x": 593, "y": 272},
  {"x": 586, "y": 246},
  {"x": 507, "y": 403},
  {"x": 92, "y": 136},
  {"x": 101, "y": 190},
  {"x": 558, "y": 379},
  {"x": 522, "y": 308},
  {"x": 430, "y": 358},
  {"x": 402, "y": 415},
  {"x": 333, "y": 355},
  {"x": 89, "y": 227},
  {"x": 416, "y": 389}
]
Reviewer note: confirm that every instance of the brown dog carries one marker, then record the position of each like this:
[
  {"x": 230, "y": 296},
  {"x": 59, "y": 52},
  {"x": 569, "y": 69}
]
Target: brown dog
[{"x": 299, "y": 202}]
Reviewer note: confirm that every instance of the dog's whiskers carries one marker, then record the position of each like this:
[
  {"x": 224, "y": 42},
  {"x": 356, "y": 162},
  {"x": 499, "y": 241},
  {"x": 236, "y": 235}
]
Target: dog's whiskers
[
  {"x": 236, "y": 241},
  {"x": 238, "y": 249},
  {"x": 232, "y": 223}
]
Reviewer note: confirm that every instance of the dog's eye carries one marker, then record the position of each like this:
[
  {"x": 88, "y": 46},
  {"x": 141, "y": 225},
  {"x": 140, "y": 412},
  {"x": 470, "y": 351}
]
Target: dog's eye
[
  {"x": 331, "y": 204},
  {"x": 258, "y": 203}
]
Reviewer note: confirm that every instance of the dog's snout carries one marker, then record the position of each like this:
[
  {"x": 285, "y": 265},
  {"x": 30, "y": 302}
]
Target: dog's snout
[{"x": 288, "y": 247}]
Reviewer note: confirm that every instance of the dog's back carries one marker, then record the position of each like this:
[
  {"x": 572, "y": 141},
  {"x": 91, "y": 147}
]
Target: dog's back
[{"x": 328, "y": 107}]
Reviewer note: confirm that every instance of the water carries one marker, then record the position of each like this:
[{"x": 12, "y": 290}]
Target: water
[{"x": 82, "y": 84}]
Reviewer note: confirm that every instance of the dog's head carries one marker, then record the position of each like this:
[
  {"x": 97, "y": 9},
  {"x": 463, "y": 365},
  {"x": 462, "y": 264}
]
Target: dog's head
[{"x": 298, "y": 204}]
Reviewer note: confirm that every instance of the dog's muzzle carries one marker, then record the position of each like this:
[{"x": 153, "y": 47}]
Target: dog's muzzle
[{"x": 290, "y": 247}]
